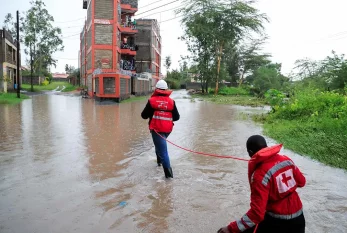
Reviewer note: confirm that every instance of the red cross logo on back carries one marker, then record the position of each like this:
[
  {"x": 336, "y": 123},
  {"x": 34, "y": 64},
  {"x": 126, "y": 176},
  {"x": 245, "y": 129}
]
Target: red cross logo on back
[
  {"x": 163, "y": 105},
  {"x": 285, "y": 181}
]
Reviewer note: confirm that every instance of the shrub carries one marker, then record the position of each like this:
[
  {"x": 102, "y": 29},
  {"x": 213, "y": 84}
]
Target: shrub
[
  {"x": 45, "y": 83},
  {"x": 312, "y": 104},
  {"x": 230, "y": 91}
]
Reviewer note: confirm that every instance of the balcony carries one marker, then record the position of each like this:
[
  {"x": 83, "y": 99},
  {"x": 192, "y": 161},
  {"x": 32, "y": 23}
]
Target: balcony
[
  {"x": 128, "y": 9},
  {"x": 129, "y": 49},
  {"x": 128, "y": 28},
  {"x": 128, "y": 65},
  {"x": 129, "y": 4}
]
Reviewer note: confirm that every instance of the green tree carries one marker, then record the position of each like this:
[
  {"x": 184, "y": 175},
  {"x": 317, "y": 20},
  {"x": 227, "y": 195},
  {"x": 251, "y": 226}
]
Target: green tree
[
  {"x": 243, "y": 59},
  {"x": 173, "y": 78},
  {"x": 220, "y": 24},
  {"x": 268, "y": 77},
  {"x": 334, "y": 71},
  {"x": 10, "y": 24},
  {"x": 69, "y": 69},
  {"x": 327, "y": 74},
  {"x": 167, "y": 62},
  {"x": 40, "y": 37}
]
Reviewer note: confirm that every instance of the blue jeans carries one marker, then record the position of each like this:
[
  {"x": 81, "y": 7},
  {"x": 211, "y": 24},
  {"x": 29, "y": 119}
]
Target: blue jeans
[{"x": 161, "y": 148}]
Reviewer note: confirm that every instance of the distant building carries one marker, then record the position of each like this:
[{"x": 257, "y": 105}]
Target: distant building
[
  {"x": 107, "y": 41},
  {"x": 60, "y": 77},
  {"x": 8, "y": 59},
  {"x": 148, "y": 40},
  {"x": 109, "y": 50}
]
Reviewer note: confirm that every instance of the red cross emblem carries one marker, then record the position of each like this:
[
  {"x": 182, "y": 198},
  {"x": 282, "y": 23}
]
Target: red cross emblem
[
  {"x": 285, "y": 179},
  {"x": 162, "y": 106}
]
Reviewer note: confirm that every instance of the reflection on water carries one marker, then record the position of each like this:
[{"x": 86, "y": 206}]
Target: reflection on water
[{"x": 73, "y": 165}]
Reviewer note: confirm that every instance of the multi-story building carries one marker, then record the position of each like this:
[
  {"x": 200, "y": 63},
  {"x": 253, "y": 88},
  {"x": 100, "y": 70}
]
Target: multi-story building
[
  {"x": 108, "y": 46},
  {"x": 148, "y": 39},
  {"x": 8, "y": 60}
]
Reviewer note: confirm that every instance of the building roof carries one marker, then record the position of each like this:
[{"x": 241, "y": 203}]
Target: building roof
[
  {"x": 7, "y": 35},
  {"x": 60, "y": 75}
]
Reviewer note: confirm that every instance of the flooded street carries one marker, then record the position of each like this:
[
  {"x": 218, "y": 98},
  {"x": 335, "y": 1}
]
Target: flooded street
[{"x": 69, "y": 164}]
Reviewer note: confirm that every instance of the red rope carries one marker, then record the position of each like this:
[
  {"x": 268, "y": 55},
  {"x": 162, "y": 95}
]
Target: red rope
[
  {"x": 201, "y": 153},
  {"x": 256, "y": 228}
]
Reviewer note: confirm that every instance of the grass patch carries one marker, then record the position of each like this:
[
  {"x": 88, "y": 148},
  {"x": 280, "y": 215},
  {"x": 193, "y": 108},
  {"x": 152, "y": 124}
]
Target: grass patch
[
  {"x": 235, "y": 100},
  {"x": 11, "y": 98},
  {"x": 318, "y": 140},
  {"x": 137, "y": 98},
  {"x": 312, "y": 123},
  {"x": 50, "y": 87},
  {"x": 236, "y": 91},
  {"x": 69, "y": 88}
]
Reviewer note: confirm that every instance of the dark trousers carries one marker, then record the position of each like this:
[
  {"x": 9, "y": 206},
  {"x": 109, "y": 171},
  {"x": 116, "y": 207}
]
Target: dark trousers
[
  {"x": 274, "y": 225},
  {"x": 161, "y": 148}
]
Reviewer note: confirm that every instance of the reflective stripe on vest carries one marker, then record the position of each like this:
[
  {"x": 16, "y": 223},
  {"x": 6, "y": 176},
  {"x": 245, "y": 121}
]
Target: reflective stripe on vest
[
  {"x": 248, "y": 221},
  {"x": 274, "y": 169},
  {"x": 162, "y": 118},
  {"x": 284, "y": 216},
  {"x": 240, "y": 225}
]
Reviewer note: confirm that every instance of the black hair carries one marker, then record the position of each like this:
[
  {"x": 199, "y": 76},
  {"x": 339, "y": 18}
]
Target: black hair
[{"x": 255, "y": 143}]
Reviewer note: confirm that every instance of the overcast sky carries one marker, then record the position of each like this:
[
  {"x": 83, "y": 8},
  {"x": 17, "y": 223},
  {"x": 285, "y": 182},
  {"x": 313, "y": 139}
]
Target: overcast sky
[{"x": 298, "y": 28}]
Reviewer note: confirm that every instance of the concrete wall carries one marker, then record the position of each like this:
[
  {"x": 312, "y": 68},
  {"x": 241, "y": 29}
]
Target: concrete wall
[
  {"x": 36, "y": 80},
  {"x": 148, "y": 35},
  {"x": 89, "y": 61},
  {"x": 89, "y": 82},
  {"x": 2, "y": 50},
  {"x": 101, "y": 56},
  {"x": 194, "y": 86},
  {"x": 104, "y": 9},
  {"x": 89, "y": 14},
  {"x": 89, "y": 38},
  {"x": 60, "y": 80},
  {"x": 103, "y": 34}
]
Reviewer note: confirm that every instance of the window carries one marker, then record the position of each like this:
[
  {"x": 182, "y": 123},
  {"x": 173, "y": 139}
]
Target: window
[
  {"x": 14, "y": 53},
  {"x": 8, "y": 51}
]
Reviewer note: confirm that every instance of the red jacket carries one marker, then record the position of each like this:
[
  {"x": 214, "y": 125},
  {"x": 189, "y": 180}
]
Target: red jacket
[
  {"x": 273, "y": 179},
  {"x": 163, "y": 106}
]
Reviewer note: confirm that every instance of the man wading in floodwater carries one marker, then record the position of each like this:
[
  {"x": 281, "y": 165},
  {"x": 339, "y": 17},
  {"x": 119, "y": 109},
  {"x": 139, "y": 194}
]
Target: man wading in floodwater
[
  {"x": 275, "y": 205},
  {"x": 162, "y": 112}
]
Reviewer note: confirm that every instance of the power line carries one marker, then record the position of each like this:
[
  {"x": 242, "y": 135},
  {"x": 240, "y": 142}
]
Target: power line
[
  {"x": 171, "y": 19},
  {"x": 152, "y": 3},
  {"x": 65, "y": 58},
  {"x": 158, "y": 7},
  {"x": 70, "y": 20},
  {"x": 70, "y": 36},
  {"x": 71, "y": 27},
  {"x": 175, "y": 8}
]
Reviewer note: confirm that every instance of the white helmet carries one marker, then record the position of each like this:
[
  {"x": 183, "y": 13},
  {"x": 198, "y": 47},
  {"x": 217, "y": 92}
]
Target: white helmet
[{"x": 161, "y": 84}]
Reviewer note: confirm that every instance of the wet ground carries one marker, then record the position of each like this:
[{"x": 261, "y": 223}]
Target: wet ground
[{"x": 69, "y": 164}]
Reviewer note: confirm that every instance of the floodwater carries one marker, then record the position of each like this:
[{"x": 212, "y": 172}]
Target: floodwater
[{"x": 69, "y": 164}]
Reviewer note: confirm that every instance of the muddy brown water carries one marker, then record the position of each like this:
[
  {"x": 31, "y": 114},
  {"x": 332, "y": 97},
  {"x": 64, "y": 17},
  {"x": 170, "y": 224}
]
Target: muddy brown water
[{"x": 74, "y": 165}]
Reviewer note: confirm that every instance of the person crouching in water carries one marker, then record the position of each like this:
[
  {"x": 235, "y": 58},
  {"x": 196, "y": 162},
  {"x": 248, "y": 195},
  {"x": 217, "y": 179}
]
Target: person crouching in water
[
  {"x": 275, "y": 205},
  {"x": 162, "y": 112}
]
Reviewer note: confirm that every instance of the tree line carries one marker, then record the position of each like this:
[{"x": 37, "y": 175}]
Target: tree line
[
  {"x": 38, "y": 35},
  {"x": 225, "y": 40}
]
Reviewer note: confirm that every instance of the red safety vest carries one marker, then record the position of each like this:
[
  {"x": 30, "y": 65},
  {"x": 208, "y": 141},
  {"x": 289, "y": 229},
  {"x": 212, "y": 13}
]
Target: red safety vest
[
  {"x": 163, "y": 105},
  {"x": 273, "y": 179}
]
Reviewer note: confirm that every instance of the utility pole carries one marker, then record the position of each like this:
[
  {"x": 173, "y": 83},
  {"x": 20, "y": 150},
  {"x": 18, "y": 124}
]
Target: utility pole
[
  {"x": 31, "y": 68},
  {"x": 18, "y": 61}
]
